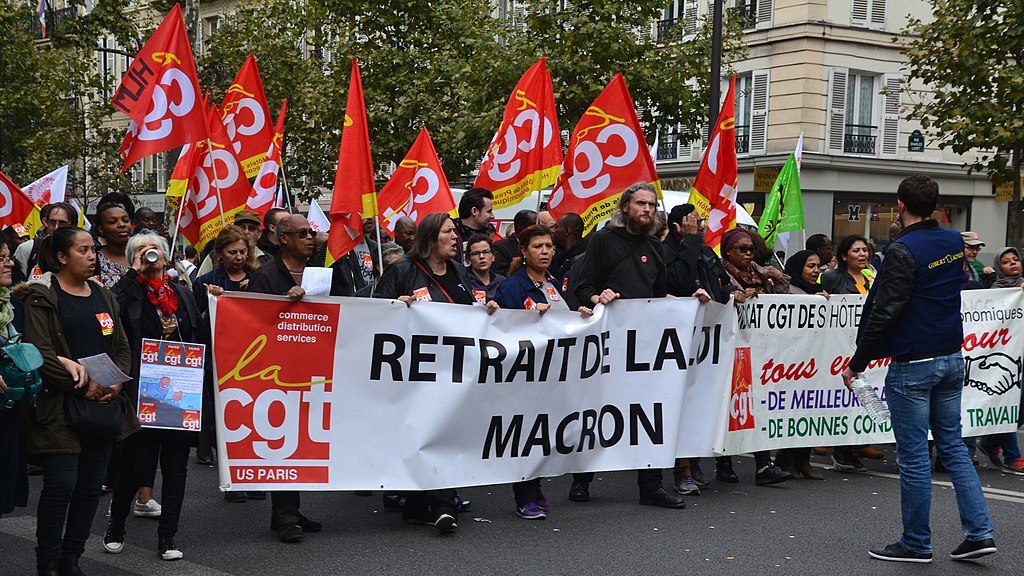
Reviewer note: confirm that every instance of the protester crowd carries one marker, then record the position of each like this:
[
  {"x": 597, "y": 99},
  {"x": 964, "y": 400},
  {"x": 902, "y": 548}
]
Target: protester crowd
[{"x": 74, "y": 293}]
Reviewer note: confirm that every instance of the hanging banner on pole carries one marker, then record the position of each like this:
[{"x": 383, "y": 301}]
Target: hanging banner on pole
[{"x": 510, "y": 396}]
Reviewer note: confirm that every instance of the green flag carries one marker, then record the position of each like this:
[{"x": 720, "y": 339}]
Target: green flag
[{"x": 784, "y": 209}]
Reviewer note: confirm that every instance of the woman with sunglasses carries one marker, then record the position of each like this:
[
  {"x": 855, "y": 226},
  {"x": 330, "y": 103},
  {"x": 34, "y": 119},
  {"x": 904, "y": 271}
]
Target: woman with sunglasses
[{"x": 738, "y": 251}]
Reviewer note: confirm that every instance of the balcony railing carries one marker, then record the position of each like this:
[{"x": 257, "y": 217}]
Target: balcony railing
[
  {"x": 742, "y": 139},
  {"x": 55, "y": 19},
  {"x": 668, "y": 148},
  {"x": 747, "y": 11},
  {"x": 859, "y": 139},
  {"x": 668, "y": 30}
]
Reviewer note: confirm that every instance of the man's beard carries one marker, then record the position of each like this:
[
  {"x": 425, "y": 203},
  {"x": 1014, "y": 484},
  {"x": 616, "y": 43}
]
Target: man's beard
[{"x": 639, "y": 228}]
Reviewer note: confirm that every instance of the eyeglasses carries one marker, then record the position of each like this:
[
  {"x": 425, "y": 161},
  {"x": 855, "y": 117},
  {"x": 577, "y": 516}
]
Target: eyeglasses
[
  {"x": 743, "y": 249},
  {"x": 5, "y": 260},
  {"x": 481, "y": 253},
  {"x": 304, "y": 233}
]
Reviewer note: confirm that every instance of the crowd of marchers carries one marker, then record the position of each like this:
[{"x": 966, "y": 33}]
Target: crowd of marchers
[{"x": 75, "y": 293}]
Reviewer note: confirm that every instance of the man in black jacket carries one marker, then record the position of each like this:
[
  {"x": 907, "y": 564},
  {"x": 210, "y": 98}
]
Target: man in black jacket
[
  {"x": 624, "y": 261},
  {"x": 693, "y": 268},
  {"x": 912, "y": 315},
  {"x": 283, "y": 276},
  {"x": 476, "y": 211}
]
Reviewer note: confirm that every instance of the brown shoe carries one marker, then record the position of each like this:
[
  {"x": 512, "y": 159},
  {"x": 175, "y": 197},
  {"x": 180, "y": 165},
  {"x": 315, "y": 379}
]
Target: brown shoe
[
  {"x": 820, "y": 451},
  {"x": 794, "y": 474},
  {"x": 807, "y": 471},
  {"x": 869, "y": 453}
]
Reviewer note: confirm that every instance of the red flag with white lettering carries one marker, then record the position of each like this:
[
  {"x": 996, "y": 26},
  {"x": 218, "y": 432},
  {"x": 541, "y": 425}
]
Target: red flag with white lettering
[
  {"x": 160, "y": 94},
  {"x": 264, "y": 188},
  {"x": 355, "y": 191},
  {"x": 246, "y": 117},
  {"x": 417, "y": 188},
  {"x": 526, "y": 153},
  {"x": 714, "y": 189},
  {"x": 218, "y": 188},
  {"x": 607, "y": 154}
]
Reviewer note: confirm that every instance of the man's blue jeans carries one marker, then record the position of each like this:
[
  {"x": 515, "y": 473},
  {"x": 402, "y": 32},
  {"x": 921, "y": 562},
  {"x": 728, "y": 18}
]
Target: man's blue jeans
[{"x": 921, "y": 394}]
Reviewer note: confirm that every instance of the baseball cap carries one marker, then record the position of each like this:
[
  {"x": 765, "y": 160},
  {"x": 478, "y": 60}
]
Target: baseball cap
[
  {"x": 248, "y": 215},
  {"x": 972, "y": 239}
]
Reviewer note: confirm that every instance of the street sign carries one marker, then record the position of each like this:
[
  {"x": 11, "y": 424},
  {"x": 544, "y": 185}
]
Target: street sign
[{"x": 915, "y": 142}]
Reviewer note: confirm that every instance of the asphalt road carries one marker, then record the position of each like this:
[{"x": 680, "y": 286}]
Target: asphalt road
[{"x": 798, "y": 527}]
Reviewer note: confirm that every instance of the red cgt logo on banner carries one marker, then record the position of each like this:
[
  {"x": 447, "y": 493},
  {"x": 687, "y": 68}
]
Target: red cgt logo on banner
[{"x": 276, "y": 414}]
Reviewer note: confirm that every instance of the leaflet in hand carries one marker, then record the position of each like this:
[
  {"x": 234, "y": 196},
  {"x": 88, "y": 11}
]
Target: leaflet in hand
[{"x": 103, "y": 370}]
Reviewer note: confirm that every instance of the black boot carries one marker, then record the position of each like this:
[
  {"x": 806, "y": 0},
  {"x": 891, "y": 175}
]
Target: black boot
[
  {"x": 48, "y": 569},
  {"x": 69, "y": 566},
  {"x": 724, "y": 471},
  {"x": 579, "y": 491}
]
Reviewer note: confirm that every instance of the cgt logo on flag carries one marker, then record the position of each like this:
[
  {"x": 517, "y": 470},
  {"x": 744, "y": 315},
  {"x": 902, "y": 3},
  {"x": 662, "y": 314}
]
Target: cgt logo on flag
[
  {"x": 276, "y": 415},
  {"x": 741, "y": 404}
]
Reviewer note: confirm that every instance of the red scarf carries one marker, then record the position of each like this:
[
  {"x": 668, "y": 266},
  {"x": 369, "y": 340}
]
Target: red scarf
[{"x": 160, "y": 294}]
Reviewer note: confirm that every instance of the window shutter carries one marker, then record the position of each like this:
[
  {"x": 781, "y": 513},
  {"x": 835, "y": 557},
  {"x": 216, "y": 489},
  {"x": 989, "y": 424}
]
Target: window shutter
[
  {"x": 877, "y": 15},
  {"x": 860, "y": 13},
  {"x": 759, "y": 112},
  {"x": 697, "y": 146},
  {"x": 765, "y": 10},
  {"x": 689, "y": 14},
  {"x": 891, "y": 114},
  {"x": 836, "y": 110}
]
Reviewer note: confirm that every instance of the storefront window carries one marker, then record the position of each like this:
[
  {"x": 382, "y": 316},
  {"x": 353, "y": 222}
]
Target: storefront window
[{"x": 872, "y": 219}]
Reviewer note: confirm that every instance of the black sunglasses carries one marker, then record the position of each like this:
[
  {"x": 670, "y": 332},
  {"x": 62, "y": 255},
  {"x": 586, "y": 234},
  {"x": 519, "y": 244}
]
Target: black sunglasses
[{"x": 743, "y": 249}]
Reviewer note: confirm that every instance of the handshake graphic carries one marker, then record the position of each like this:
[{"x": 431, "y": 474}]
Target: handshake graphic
[{"x": 993, "y": 374}]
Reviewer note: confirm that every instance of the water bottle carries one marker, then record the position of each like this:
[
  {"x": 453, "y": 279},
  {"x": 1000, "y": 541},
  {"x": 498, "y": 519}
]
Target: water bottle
[{"x": 874, "y": 406}]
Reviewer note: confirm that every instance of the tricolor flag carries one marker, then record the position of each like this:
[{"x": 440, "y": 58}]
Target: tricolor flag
[
  {"x": 354, "y": 187},
  {"x": 607, "y": 154},
  {"x": 714, "y": 189},
  {"x": 526, "y": 152},
  {"x": 41, "y": 13},
  {"x": 160, "y": 94}
]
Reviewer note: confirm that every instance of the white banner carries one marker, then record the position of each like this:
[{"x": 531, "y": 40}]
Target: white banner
[
  {"x": 787, "y": 389},
  {"x": 347, "y": 393}
]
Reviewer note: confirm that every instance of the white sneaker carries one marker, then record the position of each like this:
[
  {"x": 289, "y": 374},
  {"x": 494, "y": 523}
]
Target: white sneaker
[
  {"x": 168, "y": 550},
  {"x": 150, "y": 509}
]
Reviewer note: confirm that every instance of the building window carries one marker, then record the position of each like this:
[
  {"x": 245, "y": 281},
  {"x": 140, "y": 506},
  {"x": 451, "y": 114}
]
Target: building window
[
  {"x": 744, "y": 93},
  {"x": 868, "y": 13},
  {"x": 668, "y": 145},
  {"x": 105, "y": 59},
  {"x": 678, "y": 20},
  {"x": 860, "y": 131}
]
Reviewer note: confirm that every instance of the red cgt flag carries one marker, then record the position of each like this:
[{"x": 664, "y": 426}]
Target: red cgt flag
[
  {"x": 355, "y": 191},
  {"x": 160, "y": 94},
  {"x": 526, "y": 153},
  {"x": 246, "y": 117},
  {"x": 16, "y": 208},
  {"x": 607, "y": 154},
  {"x": 714, "y": 189},
  {"x": 218, "y": 188},
  {"x": 417, "y": 188},
  {"x": 264, "y": 189}
]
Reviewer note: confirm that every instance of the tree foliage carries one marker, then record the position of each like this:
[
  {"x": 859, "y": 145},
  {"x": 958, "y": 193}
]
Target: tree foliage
[
  {"x": 449, "y": 64},
  {"x": 970, "y": 56},
  {"x": 52, "y": 108}
]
